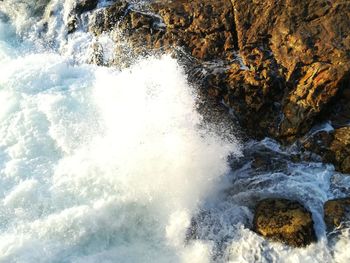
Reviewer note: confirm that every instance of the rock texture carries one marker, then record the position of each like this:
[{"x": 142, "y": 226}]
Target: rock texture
[
  {"x": 204, "y": 29},
  {"x": 79, "y": 7},
  {"x": 82, "y": 6},
  {"x": 333, "y": 146},
  {"x": 285, "y": 221},
  {"x": 281, "y": 65},
  {"x": 309, "y": 40},
  {"x": 336, "y": 212}
]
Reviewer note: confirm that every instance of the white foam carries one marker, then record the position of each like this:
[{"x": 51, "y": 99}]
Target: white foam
[
  {"x": 102, "y": 165},
  {"x": 106, "y": 160}
]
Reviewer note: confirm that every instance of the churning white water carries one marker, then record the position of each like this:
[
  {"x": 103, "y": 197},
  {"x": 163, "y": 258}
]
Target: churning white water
[{"x": 102, "y": 165}]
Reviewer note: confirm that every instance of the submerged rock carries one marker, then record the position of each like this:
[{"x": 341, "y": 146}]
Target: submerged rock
[
  {"x": 262, "y": 158},
  {"x": 285, "y": 221},
  {"x": 336, "y": 212}
]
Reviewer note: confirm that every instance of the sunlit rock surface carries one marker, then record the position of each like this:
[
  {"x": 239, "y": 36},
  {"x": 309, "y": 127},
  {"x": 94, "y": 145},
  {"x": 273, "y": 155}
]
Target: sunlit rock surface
[
  {"x": 285, "y": 221},
  {"x": 281, "y": 66}
]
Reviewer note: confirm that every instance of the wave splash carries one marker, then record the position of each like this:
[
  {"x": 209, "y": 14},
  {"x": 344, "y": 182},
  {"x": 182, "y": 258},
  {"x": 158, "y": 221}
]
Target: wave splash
[
  {"x": 106, "y": 165},
  {"x": 99, "y": 164}
]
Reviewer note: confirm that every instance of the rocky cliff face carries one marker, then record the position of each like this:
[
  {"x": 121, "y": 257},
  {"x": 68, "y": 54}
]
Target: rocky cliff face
[
  {"x": 309, "y": 41},
  {"x": 204, "y": 30},
  {"x": 281, "y": 65}
]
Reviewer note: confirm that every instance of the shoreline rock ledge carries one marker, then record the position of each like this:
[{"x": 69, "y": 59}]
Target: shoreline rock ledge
[{"x": 282, "y": 66}]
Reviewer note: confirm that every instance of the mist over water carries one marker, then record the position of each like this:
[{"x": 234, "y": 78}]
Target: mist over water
[{"x": 105, "y": 165}]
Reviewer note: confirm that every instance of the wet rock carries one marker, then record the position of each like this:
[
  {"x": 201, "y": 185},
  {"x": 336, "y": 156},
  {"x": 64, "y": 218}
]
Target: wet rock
[
  {"x": 284, "y": 221},
  {"x": 79, "y": 7},
  {"x": 282, "y": 66},
  {"x": 339, "y": 114},
  {"x": 105, "y": 20},
  {"x": 72, "y": 25},
  {"x": 263, "y": 159},
  {"x": 255, "y": 98},
  {"x": 297, "y": 67},
  {"x": 204, "y": 29},
  {"x": 287, "y": 76},
  {"x": 336, "y": 212},
  {"x": 96, "y": 56},
  {"x": 82, "y": 6},
  {"x": 333, "y": 146},
  {"x": 309, "y": 41}
]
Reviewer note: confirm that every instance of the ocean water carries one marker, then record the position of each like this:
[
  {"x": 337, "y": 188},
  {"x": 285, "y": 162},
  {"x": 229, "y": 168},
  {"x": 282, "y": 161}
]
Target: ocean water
[{"x": 103, "y": 164}]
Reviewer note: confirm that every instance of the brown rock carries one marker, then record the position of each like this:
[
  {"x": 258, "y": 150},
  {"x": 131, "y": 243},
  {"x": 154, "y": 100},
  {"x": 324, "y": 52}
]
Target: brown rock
[
  {"x": 96, "y": 54},
  {"x": 339, "y": 114},
  {"x": 282, "y": 66},
  {"x": 336, "y": 212},
  {"x": 255, "y": 99},
  {"x": 309, "y": 40},
  {"x": 285, "y": 221},
  {"x": 204, "y": 29},
  {"x": 333, "y": 147},
  {"x": 106, "y": 20}
]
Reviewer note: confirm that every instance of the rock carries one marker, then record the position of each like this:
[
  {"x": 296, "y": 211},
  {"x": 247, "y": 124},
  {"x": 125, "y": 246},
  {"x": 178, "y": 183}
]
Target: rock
[
  {"x": 255, "y": 98},
  {"x": 282, "y": 66},
  {"x": 106, "y": 19},
  {"x": 339, "y": 112},
  {"x": 285, "y": 221},
  {"x": 204, "y": 29},
  {"x": 310, "y": 43},
  {"x": 72, "y": 25},
  {"x": 96, "y": 56},
  {"x": 307, "y": 41},
  {"x": 336, "y": 212},
  {"x": 264, "y": 159},
  {"x": 79, "y": 7},
  {"x": 82, "y": 6},
  {"x": 333, "y": 146},
  {"x": 38, "y": 7}
]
